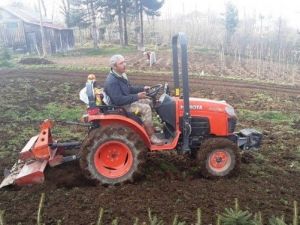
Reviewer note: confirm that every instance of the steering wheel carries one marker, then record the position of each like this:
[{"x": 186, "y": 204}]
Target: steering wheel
[{"x": 153, "y": 91}]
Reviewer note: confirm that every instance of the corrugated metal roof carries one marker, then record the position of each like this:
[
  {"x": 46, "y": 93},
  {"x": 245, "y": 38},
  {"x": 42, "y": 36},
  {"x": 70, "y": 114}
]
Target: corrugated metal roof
[{"x": 31, "y": 17}]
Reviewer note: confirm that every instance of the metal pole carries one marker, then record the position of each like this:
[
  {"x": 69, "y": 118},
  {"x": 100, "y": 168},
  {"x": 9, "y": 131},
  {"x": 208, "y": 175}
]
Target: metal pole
[
  {"x": 186, "y": 120},
  {"x": 175, "y": 65}
]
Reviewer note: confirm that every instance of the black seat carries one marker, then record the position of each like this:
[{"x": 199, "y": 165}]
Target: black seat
[
  {"x": 107, "y": 108},
  {"x": 119, "y": 110}
]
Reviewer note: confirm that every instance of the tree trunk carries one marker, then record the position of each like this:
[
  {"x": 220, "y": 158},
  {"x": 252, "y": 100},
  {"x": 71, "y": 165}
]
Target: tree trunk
[
  {"x": 44, "y": 44},
  {"x": 142, "y": 26},
  {"x": 125, "y": 22},
  {"x": 44, "y": 8},
  {"x": 136, "y": 22},
  {"x": 66, "y": 10},
  {"x": 94, "y": 26},
  {"x": 120, "y": 23}
]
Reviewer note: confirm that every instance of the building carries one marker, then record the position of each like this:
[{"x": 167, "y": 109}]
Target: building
[{"x": 20, "y": 30}]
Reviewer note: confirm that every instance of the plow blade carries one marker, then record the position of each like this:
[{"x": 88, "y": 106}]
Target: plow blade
[
  {"x": 33, "y": 159},
  {"x": 39, "y": 152},
  {"x": 25, "y": 173}
]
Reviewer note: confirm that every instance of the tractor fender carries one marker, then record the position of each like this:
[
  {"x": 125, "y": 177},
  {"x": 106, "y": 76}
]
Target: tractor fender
[{"x": 107, "y": 120}]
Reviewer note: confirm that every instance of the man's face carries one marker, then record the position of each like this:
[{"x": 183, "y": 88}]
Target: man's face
[{"x": 120, "y": 66}]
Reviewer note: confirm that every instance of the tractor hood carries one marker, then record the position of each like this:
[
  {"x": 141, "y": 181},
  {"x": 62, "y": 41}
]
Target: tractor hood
[{"x": 202, "y": 104}]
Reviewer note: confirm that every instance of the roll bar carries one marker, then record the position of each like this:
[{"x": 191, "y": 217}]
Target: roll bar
[{"x": 181, "y": 39}]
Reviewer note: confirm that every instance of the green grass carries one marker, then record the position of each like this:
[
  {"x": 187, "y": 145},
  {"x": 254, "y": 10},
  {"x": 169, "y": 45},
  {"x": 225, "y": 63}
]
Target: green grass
[
  {"x": 6, "y": 63},
  {"x": 168, "y": 167},
  {"x": 103, "y": 50},
  {"x": 261, "y": 97},
  {"x": 56, "y": 111},
  {"x": 50, "y": 111},
  {"x": 204, "y": 50},
  {"x": 298, "y": 151},
  {"x": 12, "y": 113},
  {"x": 30, "y": 120},
  {"x": 275, "y": 116},
  {"x": 271, "y": 116},
  {"x": 67, "y": 68},
  {"x": 88, "y": 69},
  {"x": 296, "y": 162}
]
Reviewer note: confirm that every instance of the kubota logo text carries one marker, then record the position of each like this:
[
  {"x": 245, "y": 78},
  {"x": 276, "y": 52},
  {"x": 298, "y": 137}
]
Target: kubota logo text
[{"x": 193, "y": 107}]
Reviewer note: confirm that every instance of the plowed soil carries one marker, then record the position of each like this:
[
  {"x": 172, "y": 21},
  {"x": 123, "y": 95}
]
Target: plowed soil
[
  {"x": 268, "y": 182},
  {"x": 199, "y": 63}
]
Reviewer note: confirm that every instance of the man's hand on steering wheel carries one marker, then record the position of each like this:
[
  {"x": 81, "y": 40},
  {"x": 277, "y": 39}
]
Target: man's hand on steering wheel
[
  {"x": 146, "y": 88},
  {"x": 153, "y": 90},
  {"x": 142, "y": 95}
]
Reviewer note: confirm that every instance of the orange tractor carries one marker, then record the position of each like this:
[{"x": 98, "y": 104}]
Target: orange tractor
[{"x": 116, "y": 146}]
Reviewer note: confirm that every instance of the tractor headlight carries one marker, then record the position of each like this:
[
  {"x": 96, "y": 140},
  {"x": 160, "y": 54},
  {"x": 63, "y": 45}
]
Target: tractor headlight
[{"x": 230, "y": 111}]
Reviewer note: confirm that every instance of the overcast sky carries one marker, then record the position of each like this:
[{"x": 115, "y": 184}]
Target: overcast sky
[{"x": 288, "y": 9}]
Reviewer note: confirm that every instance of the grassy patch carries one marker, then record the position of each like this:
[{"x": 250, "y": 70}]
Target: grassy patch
[
  {"x": 57, "y": 112},
  {"x": 64, "y": 113},
  {"x": 272, "y": 116},
  {"x": 103, "y": 50},
  {"x": 298, "y": 151},
  {"x": 168, "y": 167},
  {"x": 295, "y": 164},
  {"x": 88, "y": 69},
  {"x": 261, "y": 97},
  {"x": 203, "y": 50},
  {"x": 11, "y": 114},
  {"x": 28, "y": 125},
  {"x": 275, "y": 116},
  {"x": 6, "y": 63}
]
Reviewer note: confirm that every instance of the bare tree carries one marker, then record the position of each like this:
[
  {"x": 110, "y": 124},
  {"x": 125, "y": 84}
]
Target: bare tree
[
  {"x": 44, "y": 44},
  {"x": 119, "y": 11},
  {"x": 44, "y": 8},
  {"x": 94, "y": 25},
  {"x": 124, "y": 7},
  {"x": 66, "y": 10}
]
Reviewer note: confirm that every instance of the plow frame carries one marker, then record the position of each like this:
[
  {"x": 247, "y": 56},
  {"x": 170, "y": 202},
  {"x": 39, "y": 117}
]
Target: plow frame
[{"x": 41, "y": 150}]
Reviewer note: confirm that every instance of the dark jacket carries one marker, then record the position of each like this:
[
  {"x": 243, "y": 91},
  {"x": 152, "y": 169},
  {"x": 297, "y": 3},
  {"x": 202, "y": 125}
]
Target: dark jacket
[{"x": 120, "y": 91}]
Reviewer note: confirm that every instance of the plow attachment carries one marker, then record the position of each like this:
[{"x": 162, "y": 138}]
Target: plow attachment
[
  {"x": 39, "y": 151},
  {"x": 249, "y": 139}
]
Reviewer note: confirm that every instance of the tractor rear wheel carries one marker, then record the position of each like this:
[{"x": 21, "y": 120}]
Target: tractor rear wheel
[
  {"x": 113, "y": 155},
  {"x": 218, "y": 157}
]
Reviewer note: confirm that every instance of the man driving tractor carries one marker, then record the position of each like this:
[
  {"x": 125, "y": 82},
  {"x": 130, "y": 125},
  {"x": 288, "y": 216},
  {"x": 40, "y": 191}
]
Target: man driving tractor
[
  {"x": 113, "y": 151},
  {"x": 133, "y": 98}
]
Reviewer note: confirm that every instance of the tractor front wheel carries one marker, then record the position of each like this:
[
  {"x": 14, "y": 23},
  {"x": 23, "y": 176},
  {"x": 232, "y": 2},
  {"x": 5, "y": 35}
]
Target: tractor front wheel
[
  {"x": 113, "y": 155},
  {"x": 218, "y": 157}
]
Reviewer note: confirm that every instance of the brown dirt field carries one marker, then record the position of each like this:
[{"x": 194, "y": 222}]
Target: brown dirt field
[
  {"x": 268, "y": 181},
  {"x": 199, "y": 63}
]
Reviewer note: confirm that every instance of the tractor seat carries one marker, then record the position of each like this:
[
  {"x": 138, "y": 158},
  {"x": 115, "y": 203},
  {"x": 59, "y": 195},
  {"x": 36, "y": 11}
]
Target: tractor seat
[
  {"x": 119, "y": 110},
  {"x": 88, "y": 96},
  {"x": 108, "y": 108}
]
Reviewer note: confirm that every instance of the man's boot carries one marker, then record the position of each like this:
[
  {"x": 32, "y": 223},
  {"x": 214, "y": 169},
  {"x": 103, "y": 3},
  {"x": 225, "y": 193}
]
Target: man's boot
[{"x": 153, "y": 138}]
